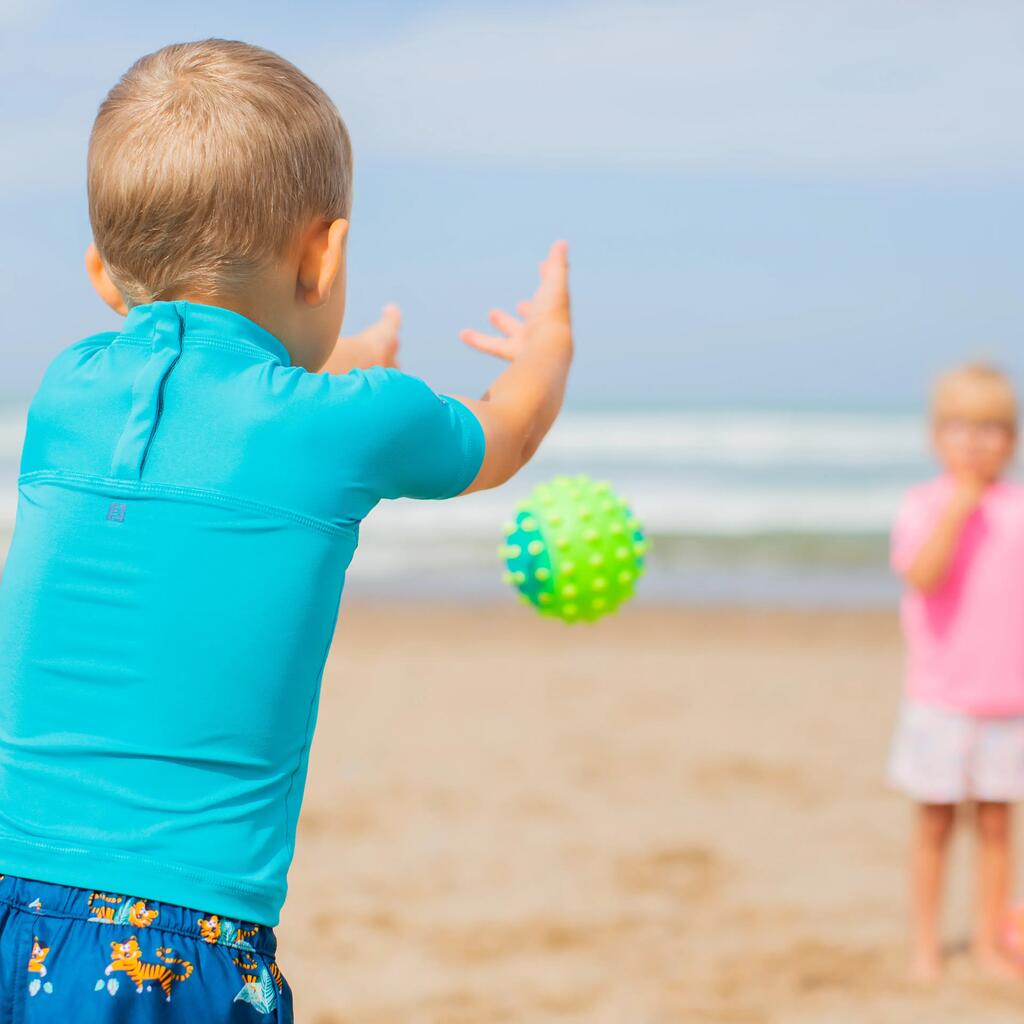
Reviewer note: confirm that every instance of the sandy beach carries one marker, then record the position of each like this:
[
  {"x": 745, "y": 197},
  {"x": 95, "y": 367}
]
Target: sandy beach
[{"x": 678, "y": 815}]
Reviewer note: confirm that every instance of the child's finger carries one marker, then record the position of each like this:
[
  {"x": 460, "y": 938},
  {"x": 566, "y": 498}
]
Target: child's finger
[
  {"x": 557, "y": 264},
  {"x": 500, "y": 347},
  {"x": 389, "y": 349},
  {"x": 505, "y": 321},
  {"x": 554, "y": 277},
  {"x": 523, "y": 308},
  {"x": 392, "y": 315}
]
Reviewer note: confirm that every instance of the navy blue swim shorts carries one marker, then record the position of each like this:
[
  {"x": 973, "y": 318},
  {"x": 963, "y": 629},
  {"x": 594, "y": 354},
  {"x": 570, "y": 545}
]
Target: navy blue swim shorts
[{"x": 70, "y": 954}]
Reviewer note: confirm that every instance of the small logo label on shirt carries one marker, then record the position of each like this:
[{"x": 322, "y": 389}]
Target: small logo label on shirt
[{"x": 115, "y": 514}]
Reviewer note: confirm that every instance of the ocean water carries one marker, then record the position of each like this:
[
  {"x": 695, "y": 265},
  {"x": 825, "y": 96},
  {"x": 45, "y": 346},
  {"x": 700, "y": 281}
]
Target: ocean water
[{"x": 741, "y": 505}]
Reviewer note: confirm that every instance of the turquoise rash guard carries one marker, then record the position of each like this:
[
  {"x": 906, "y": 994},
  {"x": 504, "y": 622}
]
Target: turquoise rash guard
[{"x": 188, "y": 504}]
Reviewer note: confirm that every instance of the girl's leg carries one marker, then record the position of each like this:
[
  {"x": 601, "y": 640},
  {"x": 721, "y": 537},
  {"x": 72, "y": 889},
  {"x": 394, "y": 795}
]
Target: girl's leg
[
  {"x": 929, "y": 847},
  {"x": 994, "y": 869}
]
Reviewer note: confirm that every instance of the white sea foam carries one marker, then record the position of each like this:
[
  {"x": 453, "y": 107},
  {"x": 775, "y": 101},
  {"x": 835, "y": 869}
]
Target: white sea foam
[
  {"x": 739, "y": 438},
  {"x": 712, "y": 510},
  {"x": 714, "y": 473},
  {"x": 697, "y": 438},
  {"x": 12, "y": 433}
]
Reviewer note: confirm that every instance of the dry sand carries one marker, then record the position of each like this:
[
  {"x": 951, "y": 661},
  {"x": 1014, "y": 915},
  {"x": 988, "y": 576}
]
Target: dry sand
[{"x": 674, "y": 816}]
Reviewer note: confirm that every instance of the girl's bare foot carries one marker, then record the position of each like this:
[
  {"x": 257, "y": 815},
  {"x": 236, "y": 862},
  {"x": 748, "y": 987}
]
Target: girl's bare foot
[
  {"x": 926, "y": 967},
  {"x": 994, "y": 963}
]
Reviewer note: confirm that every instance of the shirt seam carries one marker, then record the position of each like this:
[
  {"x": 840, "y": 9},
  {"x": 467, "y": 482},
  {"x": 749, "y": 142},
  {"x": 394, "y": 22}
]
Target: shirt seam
[
  {"x": 304, "y": 753},
  {"x": 255, "y": 352},
  {"x": 198, "y": 494}
]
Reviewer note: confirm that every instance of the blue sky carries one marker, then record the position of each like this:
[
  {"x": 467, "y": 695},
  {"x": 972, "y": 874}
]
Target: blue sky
[{"x": 767, "y": 201}]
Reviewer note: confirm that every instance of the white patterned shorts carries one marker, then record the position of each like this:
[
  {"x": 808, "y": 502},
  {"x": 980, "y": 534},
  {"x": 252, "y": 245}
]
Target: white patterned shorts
[{"x": 940, "y": 756}]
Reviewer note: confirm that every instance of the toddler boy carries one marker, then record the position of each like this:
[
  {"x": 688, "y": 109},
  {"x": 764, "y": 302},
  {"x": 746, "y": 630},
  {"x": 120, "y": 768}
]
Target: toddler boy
[{"x": 190, "y": 497}]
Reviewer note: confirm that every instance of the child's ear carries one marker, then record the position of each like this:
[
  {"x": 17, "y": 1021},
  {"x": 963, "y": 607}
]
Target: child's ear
[
  {"x": 321, "y": 258},
  {"x": 105, "y": 288}
]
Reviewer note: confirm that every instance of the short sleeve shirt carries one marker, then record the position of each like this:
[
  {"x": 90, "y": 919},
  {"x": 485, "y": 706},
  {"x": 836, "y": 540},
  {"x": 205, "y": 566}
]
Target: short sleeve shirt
[
  {"x": 189, "y": 503},
  {"x": 965, "y": 639}
]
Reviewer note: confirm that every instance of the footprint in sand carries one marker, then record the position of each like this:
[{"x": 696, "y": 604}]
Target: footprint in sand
[
  {"x": 808, "y": 966},
  {"x": 785, "y": 780},
  {"x": 489, "y": 941},
  {"x": 682, "y": 872}
]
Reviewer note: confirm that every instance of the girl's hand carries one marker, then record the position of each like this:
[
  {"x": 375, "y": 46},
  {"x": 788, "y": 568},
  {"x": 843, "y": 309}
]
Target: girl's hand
[
  {"x": 968, "y": 492},
  {"x": 377, "y": 345}
]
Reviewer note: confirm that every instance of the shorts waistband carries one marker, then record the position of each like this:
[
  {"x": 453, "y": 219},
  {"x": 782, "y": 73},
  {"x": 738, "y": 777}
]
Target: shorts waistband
[{"x": 50, "y": 899}]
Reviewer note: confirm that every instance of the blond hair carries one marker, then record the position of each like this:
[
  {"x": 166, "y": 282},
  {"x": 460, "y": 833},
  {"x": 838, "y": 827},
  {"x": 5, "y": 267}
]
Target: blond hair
[
  {"x": 205, "y": 161},
  {"x": 978, "y": 373}
]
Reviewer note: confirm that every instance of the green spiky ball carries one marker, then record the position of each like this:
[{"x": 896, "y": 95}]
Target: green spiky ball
[{"x": 575, "y": 550}]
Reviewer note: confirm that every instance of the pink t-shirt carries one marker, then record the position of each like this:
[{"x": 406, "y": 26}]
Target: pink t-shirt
[{"x": 965, "y": 640}]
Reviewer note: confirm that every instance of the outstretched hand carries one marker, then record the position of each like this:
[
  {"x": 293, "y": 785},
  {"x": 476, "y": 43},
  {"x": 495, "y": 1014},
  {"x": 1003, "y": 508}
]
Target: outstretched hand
[
  {"x": 543, "y": 316},
  {"x": 377, "y": 345}
]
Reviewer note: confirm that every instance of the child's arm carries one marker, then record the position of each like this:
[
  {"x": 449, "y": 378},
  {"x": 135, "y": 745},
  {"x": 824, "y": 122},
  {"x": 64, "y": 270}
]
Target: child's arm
[
  {"x": 932, "y": 562},
  {"x": 375, "y": 346},
  {"x": 520, "y": 406}
]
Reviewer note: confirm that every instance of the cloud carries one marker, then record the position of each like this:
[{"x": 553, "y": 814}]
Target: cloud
[
  {"x": 877, "y": 88},
  {"x": 822, "y": 89}
]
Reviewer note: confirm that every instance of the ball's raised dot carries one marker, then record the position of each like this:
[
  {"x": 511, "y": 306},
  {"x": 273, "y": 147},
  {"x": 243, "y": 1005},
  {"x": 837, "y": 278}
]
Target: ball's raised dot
[
  {"x": 596, "y": 559},
  {"x": 542, "y": 574},
  {"x": 509, "y": 529},
  {"x": 584, "y": 512},
  {"x": 568, "y": 568},
  {"x": 625, "y": 576},
  {"x": 508, "y": 577},
  {"x": 519, "y": 577},
  {"x": 555, "y": 519},
  {"x": 616, "y": 528},
  {"x": 562, "y": 542},
  {"x": 622, "y": 554},
  {"x": 599, "y": 583},
  {"x": 570, "y": 590},
  {"x": 570, "y": 611},
  {"x": 535, "y": 547},
  {"x": 513, "y": 551},
  {"x": 640, "y": 547},
  {"x": 590, "y": 535},
  {"x": 529, "y": 524},
  {"x": 544, "y": 597},
  {"x": 598, "y": 603}
]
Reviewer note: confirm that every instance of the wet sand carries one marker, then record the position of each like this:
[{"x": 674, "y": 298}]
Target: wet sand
[{"x": 678, "y": 815}]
